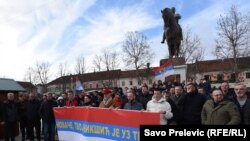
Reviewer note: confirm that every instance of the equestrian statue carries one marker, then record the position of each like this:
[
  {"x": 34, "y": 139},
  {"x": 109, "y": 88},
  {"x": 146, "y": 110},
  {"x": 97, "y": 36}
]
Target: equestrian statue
[{"x": 172, "y": 31}]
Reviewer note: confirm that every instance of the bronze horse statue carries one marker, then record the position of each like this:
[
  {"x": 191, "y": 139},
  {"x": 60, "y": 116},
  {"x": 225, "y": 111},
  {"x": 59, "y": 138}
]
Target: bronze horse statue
[{"x": 172, "y": 31}]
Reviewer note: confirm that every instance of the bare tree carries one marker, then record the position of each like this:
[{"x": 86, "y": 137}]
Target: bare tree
[
  {"x": 190, "y": 47},
  {"x": 137, "y": 52},
  {"x": 31, "y": 76},
  {"x": 110, "y": 59},
  {"x": 80, "y": 66},
  {"x": 106, "y": 59},
  {"x": 42, "y": 71},
  {"x": 97, "y": 62},
  {"x": 62, "y": 69},
  {"x": 111, "y": 62},
  {"x": 233, "y": 36}
]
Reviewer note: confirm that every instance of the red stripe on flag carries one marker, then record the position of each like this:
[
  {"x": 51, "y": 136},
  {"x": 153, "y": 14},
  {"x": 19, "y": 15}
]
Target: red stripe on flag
[{"x": 166, "y": 64}]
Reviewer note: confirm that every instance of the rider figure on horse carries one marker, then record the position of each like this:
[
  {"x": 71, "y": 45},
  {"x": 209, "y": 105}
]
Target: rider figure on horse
[{"x": 177, "y": 17}]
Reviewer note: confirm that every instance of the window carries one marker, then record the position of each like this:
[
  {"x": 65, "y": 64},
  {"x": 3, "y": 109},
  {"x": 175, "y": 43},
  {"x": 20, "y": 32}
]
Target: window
[
  {"x": 123, "y": 83},
  {"x": 90, "y": 86},
  {"x": 232, "y": 77},
  {"x": 247, "y": 75},
  {"x": 97, "y": 86},
  {"x": 207, "y": 77},
  {"x": 130, "y": 83},
  {"x": 219, "y": 78}
]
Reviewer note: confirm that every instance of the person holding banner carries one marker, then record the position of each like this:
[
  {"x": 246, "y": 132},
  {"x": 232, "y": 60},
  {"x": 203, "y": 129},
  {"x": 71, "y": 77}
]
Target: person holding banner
[
  {"x": 72, "y": 100},
  {"x": 159, "y": 104},
  {"x": 47, "y": 114},
  {"x": 132, "y": 103},
  {"x": 108, "y": 101}
]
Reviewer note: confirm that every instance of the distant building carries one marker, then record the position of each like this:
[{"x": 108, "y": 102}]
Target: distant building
[
  {"x": 113, "y": 78},
  {"x": 90, "y": 81},
  {"x": 29, "y": 87},
  {"x": 9, "y": 85},
  {"x": 217, "y": 71}
]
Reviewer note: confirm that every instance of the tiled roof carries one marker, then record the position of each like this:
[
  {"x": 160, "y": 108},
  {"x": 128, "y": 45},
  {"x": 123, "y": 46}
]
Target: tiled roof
[
  {"x": 26, "y": 85},
  {"x": 86, "y": 77},
  {"x": 104, "y": 75},
  {"x": 10, "y": 85},
  {"x": 219, "y": 65}
]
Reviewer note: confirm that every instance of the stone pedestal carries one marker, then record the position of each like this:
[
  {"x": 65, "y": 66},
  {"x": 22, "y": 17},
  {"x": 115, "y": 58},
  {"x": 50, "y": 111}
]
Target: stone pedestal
[{"x": 176, "y": 61}]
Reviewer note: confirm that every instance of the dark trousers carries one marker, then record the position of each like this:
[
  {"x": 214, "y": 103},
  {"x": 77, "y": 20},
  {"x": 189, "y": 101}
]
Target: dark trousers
[
  {"x": 10, "y": 128},
  {"x": 37, "y": 125},
  {"x": 49, "y": 130},
  {"x": 23, "y": 128}
]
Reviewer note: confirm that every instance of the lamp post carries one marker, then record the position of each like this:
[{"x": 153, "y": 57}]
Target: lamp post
[
  {"x": 71, "y": 82},
  {"x": 148, "y": 71}
]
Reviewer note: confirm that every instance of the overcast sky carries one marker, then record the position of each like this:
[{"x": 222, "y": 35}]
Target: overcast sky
[{"x": 59, "y": 31}]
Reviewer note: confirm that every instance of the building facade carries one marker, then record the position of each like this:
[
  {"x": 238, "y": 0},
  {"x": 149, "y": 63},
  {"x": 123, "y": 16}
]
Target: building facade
[
  {"x": 218, "y": 71},
  {"x": 215, "y": 71},
  {"x": 114, "y": 78}
]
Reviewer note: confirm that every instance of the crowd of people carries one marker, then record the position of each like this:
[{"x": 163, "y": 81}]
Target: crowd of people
[{"x": 178, "y": 104}]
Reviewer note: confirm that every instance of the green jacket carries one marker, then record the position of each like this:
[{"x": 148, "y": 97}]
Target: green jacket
[{"x": 226, "y": 113}]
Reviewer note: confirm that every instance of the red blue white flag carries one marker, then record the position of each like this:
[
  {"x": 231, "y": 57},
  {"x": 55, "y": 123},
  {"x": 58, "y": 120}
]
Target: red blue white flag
[
  {"x": 79, "y": 86},
  {"x": 164, "y": 70}
]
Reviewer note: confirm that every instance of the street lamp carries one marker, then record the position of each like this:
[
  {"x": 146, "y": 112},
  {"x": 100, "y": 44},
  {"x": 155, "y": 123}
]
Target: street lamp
[
  {"x": 71, "y": 82},
  {"x": 148, "y": 71}
]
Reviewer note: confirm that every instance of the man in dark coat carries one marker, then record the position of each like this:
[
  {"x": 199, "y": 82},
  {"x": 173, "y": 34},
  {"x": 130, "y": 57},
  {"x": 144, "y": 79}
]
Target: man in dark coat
[
  {"x": 47, "y": 114},
  {"x": 191, "y": 106},
  {"x": 1, "y": 111},
  {"x": 10, "y": 117},
  {"x": 243, "y": 102},
  {"x": 33, "y": 117},
  {"x": 144, "y": 97},
  {"x": 132, "y": 103},
  {"x": 23, "y": 102}
]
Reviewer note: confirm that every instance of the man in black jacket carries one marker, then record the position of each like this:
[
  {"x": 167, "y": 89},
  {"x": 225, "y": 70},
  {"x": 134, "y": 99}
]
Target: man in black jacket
[
  {"x": 48, "y": 118},
  {"x": 33, "y": 117},
  {"x": 1, "y": 111},
  {"x": 132, "y": 103},
  {"x": 191, "y": 106},
  {"x": 243, "y": 102},
  {"x": 10, "y": 117}
]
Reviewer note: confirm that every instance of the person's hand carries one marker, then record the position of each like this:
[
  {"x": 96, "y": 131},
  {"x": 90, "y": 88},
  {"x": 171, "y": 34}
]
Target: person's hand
[
  {"x": 111, "y": 107},
  {"x": 162, "y": 112}
]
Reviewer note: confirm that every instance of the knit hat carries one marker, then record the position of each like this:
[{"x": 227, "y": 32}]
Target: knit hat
[{"x": 106, "y": 91}]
